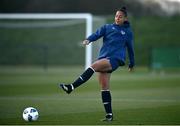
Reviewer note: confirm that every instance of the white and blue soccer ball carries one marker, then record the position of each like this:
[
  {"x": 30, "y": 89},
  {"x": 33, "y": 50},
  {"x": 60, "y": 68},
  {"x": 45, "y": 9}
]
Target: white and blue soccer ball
[{"x": 30, "y": 114}]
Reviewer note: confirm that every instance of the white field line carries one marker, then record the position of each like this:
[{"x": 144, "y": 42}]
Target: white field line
[
  {"x": 89, "y": 99},
  {"x": 145, "y": 77}
]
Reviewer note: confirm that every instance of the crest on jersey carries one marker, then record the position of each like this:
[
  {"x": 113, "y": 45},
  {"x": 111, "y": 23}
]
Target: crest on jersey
[{"x": 123, "y": 32}]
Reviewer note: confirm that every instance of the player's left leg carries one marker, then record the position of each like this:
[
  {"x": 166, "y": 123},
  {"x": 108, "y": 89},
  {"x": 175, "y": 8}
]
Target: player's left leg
[{"x": 104, "y": 79}]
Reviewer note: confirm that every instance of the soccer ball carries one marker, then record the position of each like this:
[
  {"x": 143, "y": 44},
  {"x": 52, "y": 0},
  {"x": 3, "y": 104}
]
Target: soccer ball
[{"x": 30, "y": 114}]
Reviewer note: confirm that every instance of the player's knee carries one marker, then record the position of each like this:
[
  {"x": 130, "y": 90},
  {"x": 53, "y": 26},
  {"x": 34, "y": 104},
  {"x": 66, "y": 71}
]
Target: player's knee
[
  {"x": 104, "y": 87},
  {"x": 101, "y": 66},
  {"x": 95, "y": 66}
]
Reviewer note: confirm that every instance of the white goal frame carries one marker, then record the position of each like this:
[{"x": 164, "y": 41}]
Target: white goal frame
[{"x": 89, "y": 25}]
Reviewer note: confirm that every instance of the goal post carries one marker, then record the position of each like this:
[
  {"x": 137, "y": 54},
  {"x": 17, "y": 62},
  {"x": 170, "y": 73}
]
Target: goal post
[{"x": 88, "y": 18}]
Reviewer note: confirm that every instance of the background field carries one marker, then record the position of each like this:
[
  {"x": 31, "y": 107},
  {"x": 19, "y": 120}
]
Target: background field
[
  {"x": 141, "y": 97},
  {"x": 47, "y": 46}
]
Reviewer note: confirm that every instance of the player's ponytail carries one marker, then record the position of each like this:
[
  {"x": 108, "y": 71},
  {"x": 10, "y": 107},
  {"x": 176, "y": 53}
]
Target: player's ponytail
[{"x": 124, "y": 10}]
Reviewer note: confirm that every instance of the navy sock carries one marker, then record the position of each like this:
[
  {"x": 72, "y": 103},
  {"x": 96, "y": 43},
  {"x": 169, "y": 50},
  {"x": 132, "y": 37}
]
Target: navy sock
[
  {"x": 84, "y": 77},
  {"x": 106, "y": 99}
]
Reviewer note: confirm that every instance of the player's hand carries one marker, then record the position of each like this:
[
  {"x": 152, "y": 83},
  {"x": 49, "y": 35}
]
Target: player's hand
[
  {"x": 86, "y": 42},
  {"x": 130, "y": 69}
]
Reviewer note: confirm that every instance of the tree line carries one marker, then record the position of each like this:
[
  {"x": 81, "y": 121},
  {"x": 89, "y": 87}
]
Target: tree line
[{"x": 96, "y": 7}]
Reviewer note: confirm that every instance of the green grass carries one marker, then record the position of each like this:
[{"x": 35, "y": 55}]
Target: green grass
[{"x": 141, "y": 97}]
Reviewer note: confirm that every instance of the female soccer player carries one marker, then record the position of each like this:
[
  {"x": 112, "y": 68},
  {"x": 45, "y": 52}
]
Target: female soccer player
[{"x": 117, "y": 37}]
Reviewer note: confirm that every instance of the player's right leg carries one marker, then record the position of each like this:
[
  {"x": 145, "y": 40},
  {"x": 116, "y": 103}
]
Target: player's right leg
[
  {"x": 85, "y": 76},
  {"x": 99, "y": 65}
]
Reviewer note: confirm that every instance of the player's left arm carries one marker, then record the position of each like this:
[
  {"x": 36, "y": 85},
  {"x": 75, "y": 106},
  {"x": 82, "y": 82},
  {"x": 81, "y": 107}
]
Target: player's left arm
[{"x": 130, "y": 48}]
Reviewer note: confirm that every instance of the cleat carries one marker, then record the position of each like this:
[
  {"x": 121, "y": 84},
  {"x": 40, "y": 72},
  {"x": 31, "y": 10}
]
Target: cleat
[
  {"x": 67, "y": 88},
  {"x": 108, "y": 118}
]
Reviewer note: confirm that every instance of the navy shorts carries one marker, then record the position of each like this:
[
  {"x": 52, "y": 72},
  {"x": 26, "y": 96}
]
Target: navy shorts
[{"x": 115, "y": 63}]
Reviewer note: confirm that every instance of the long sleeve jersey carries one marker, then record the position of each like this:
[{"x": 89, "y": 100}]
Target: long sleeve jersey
[{"x": 116, "y": 39}]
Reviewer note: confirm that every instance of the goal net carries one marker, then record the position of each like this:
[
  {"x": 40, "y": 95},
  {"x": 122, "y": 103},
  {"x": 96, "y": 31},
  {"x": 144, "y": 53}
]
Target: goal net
[{"x": 47, "y": 39}]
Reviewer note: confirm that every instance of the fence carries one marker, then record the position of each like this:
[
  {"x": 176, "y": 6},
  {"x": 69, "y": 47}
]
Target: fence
[{"x": 165, "y": 57}]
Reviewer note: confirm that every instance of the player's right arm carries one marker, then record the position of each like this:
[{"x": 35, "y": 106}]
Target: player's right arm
[
  {"x": 86, "y": 42},
  {"x": 95, "y": 36}
]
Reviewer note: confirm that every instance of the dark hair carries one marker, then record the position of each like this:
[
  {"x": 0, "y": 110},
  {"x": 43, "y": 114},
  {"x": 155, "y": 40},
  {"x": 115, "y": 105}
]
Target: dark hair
[{"x": 124, "y": 10}]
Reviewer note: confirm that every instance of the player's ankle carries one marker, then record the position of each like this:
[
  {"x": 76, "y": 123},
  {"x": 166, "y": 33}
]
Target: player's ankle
[{"x": 72, "y": 87}]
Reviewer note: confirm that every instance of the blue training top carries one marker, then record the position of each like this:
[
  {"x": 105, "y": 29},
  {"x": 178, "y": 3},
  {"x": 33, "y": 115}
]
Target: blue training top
[{"x": 116, "y": 39}]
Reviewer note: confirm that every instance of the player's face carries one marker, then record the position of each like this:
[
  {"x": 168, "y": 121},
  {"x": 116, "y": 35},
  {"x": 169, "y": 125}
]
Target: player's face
[{"x": 119, "y": 18}]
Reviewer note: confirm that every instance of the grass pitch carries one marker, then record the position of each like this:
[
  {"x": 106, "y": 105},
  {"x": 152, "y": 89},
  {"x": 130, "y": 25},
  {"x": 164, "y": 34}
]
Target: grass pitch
[{"x": 140, "y": 97}]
